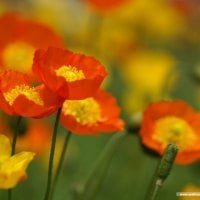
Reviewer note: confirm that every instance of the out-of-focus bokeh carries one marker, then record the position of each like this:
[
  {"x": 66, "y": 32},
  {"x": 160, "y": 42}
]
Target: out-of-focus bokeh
[{"x": 152, "y": 52}]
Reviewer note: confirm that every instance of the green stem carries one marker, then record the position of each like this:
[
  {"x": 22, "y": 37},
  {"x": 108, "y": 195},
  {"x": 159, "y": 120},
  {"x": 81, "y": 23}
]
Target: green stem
[
  {"x": 90, "y": 188},
  {"x": 16, "y": 135},
  {"x": 60, "y": 164},
  {"x": 162, "y": 171},
  {"x": 51, "y": 157},
  {"x": 14, "y": 141}
]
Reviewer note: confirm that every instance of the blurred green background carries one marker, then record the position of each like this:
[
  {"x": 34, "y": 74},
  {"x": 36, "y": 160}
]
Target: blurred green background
[{"x": 151, "y": 50}]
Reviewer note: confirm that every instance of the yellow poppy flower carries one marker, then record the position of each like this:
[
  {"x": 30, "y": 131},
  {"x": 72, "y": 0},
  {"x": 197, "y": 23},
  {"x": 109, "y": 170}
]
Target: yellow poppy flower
[{"x": 12, "y": 168}]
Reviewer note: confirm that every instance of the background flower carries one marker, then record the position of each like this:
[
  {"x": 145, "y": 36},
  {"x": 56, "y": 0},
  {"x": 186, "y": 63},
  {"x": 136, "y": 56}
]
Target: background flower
[{"x": 19, "y": 39}]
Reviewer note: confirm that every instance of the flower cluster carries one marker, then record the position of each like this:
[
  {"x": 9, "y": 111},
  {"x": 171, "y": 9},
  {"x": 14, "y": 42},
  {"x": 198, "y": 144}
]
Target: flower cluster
[
  {"x": 38, "y": 76},
  {"x": 76, "y": 79},
  {"x": 60, "y": 76}
]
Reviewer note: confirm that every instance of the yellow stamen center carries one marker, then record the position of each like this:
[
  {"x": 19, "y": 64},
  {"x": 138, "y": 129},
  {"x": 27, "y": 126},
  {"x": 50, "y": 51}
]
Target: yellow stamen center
[
  {"x": 18, "y": 56},
  {"x": 86, "y": 112},
  {"x": 70, "y": 73},
  {"x": 174, "y": 130},
  {"x": 25, "y": 90}
]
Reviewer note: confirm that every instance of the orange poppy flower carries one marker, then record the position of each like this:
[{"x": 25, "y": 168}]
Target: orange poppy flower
[
  {"x": 18, "y": 97},
  {"x": 19, "y": 39},
  {"x": 172, "y": 122},
  {"x": 34, "y": 135},
  {"x": 36, "y": 138},
  {"x": 72, "y": 76},
  {"x": 99, "y": 113},
  {"x": 105, "y": 5}
]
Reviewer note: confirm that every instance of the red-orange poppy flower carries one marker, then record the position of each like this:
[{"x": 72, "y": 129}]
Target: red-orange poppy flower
[
  {"x": 36, "y": 138},
  {"x": 19, "y": 97},
  {"x": 105, "y": 5},
  {"x": 99, "y": 113},
  {"x": 19, "y": 39},
  {"x": 172, "y": 122},
  {"x": 70, "y": 75},
  {"x": 34, "y": 135}
]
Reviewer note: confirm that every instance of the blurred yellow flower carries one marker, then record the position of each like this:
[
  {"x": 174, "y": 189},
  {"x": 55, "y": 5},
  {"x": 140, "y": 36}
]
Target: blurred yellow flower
[
  {"x": 49, "y": 12},
  {"x": 119, "y": 35},
  {"x": 12, "y": 168},
  {"x": 156, "y": 17},
  {"x": 149, "y": 71},
  {"x": 190, "y": 188},
  {"x": 149, "y": 76}
]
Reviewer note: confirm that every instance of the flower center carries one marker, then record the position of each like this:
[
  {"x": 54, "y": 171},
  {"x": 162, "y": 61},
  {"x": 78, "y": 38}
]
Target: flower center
[
  {"x": 70, "y": 73},
  {"x": 86, "y": 112},
  {"x": 18, "y": 56},
  {"x": 174, "y": 130},
  {"x": 25, "y": 90}
]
